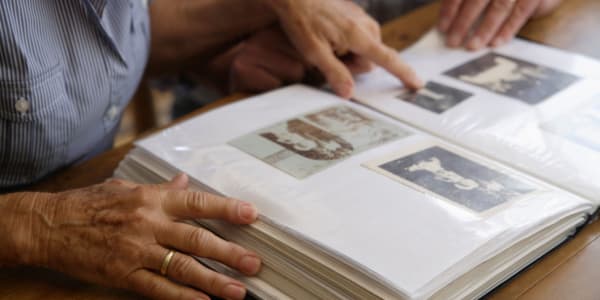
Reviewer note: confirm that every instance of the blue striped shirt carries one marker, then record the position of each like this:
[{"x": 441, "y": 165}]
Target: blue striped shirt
[{"x": 67, "y": 70}]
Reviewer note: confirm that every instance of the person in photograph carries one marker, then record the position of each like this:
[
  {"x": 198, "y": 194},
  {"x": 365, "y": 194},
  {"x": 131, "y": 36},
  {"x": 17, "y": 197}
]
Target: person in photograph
[
  {"x": 309, "y": 141},
  {"x": 513, "y": 77},
  {"x": 354, "y": 127},
  {"x": 458, "y": 179}
]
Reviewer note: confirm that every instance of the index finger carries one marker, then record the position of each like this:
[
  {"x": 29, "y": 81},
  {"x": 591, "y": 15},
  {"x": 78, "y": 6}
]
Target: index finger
[
  {"x": 201, "y": 205},
  {"x": 388, "y": 59}
]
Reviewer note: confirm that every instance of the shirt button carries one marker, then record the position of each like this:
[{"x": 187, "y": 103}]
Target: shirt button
[
  {"x": 22, "y": 105},
  {"x": 112, "y": 112}
]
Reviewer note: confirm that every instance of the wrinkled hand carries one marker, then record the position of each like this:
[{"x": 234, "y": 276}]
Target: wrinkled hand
[
  {"x": 267, "y": 60},
  {"x": 118, "y": 234},
  {"x": 481, "y": 23},
  {"x": 323, "y": 31}
]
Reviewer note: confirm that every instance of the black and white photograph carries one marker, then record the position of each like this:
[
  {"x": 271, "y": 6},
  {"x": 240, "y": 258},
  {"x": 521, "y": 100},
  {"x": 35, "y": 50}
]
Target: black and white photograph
[
  {"x": 513, "y": 77},
  {"x": 435, "y": 97},
  {"x": 455, "y": 178},
  {"x": 309, "y": 143}
]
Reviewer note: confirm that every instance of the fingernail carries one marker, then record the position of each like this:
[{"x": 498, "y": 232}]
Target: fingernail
[
  {"x": 345, "y": 90},
  {"x": 250, "y": 264},
  {"x": 247, "y": 212},
  {"x": 498, "y": 42},
  {"x": 475, "y": 43},
  {"x": 234, "y": 291},
  {"x": 453, "y": 40}
]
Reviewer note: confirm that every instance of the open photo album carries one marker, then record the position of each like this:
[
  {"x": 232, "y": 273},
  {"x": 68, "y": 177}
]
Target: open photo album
[{"x": 442, "y": 193}]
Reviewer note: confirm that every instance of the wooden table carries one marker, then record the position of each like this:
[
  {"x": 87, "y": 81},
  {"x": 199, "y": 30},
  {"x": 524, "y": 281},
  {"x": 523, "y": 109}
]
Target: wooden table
[{"x": 570, "y": 272}]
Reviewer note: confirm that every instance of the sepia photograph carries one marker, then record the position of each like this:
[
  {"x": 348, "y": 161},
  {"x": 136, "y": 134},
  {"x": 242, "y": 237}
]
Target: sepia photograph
[
  {"x": 513, "y": 77},
  {"x": 308, "y": 141},
  {"x": 581, "y": 126},
  {"x": 307, "y": 144},
  {"x": 435, "y": 97},
  {"x": 454, "y": 178}
]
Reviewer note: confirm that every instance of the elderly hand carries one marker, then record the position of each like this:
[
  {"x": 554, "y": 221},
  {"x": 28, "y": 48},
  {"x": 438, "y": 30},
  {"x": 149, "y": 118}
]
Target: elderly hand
[
  {"x": 264, "y": 62},
  {"x": 267, "y": 60},
  {"x": 481, "y": 23},
  {"x": 119, "y": 234},
  {"x": 323, "y": 31}
]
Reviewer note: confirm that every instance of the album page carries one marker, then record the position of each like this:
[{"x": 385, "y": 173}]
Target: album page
[
  {"x": 524, "y": 104},
  {"x": 363, "y": 186}
]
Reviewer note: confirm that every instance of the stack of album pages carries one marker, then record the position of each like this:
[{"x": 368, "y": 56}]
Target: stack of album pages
[{"x": 444, "y": 193}]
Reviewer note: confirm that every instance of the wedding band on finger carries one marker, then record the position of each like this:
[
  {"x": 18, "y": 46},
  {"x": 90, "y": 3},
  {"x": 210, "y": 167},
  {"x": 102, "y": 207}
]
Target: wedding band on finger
[{"x": 166, "y": 261}]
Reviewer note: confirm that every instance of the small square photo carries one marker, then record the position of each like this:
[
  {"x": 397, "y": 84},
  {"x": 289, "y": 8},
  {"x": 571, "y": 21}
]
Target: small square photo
[{"x": 435, "y": 97}]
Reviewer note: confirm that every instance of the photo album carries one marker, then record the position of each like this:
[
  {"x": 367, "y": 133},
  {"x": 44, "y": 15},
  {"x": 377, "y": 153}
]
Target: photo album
[{"x": 442, "y": 193}]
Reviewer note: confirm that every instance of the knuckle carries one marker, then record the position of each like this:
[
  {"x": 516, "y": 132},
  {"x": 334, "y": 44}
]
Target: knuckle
[
  {"x": 521, "y": 10},
  {"x": 238, "y": 64},
  {"x": 151, "y": 287},
  {"x": 354, "y": 30},
  {"x": 375, "y": 28},
  {"x": 502, "y": 4},
  {"x": 141, "y": 195},
  {"x": 201, "y": 239},
  {"x": 196, "y": 203},
  {"x": 313, "y": 54},
  {"x": 461, "y": 26},
  {"x": 180, "y": 267},
  {"x": 449, "y": 7},
  {"x": 214, "y": 283}
]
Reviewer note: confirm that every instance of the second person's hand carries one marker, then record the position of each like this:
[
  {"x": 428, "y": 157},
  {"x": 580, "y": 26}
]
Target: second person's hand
[{"x": 480, "y": 23}]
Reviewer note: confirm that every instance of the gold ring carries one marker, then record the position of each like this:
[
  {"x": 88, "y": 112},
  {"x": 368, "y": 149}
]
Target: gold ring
[{"x": 165, "y": 264}]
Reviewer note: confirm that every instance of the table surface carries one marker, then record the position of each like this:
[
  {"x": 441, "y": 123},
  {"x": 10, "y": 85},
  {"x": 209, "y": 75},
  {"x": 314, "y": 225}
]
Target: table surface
[{"x": 569, "y": 272}]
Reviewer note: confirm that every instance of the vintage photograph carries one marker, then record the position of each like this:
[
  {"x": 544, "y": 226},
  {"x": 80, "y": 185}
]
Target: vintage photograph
[
  {"x": 455, "y": 178},
  {"x": 310, "y": 143},
  {"x": 581, "y": 126},
  {"x": 435, "y": 97},
  {"x": 513, "y": 77}
]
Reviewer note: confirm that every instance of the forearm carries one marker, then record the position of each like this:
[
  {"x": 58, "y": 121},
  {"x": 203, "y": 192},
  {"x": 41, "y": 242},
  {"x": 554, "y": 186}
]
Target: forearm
[
  {"x": 196, "y": 30},
  {"x": 21, "y": 228}
]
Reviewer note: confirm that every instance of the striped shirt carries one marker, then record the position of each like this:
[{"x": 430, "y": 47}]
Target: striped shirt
[{"x": 67, "y": 70}]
